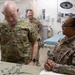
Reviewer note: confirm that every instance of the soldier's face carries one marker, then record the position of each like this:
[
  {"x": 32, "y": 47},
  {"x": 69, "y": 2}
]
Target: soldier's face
[
  {"x": 30, "y": 14},
  {"x": 67, "y": 28},
  {"x": 11, "y": 16}
]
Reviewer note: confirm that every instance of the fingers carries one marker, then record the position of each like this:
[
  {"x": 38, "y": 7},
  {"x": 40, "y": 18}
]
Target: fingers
[{"x": 47, "y": 67}]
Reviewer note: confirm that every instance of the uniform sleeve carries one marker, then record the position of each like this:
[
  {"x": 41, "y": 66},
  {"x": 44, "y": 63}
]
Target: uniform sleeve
[
  {"x": 66, "y": 69},
  {"x": 40, "y": 30},
  {"x": 33, "y": 35}
]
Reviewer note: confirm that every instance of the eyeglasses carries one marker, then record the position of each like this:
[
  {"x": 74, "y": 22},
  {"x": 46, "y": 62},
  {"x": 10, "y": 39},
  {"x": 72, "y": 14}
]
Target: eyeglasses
[{"x": 66, "y": 25}]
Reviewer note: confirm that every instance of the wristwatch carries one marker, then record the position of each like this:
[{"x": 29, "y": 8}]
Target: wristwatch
[{"x": 33, "y": 59}]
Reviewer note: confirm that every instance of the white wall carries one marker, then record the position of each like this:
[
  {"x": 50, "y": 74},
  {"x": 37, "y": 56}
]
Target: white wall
[
  {"x": 23, "y": 5},
  {"x": 52, "y": 8}
]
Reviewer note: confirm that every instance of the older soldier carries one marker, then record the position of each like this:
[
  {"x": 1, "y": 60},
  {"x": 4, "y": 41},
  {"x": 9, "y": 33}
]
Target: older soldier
[
  {"x": 17, "y": 37},
  {"x": 62, "y": 59}
]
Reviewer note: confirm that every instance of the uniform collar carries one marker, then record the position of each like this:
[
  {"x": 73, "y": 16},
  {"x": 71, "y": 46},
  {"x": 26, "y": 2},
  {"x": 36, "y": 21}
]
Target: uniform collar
[{"x": 67, "y": 40}]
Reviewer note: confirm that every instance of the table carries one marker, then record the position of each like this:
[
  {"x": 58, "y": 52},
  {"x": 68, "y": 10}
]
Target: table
[
  {"x": 18, "y": 69},
  {"x": 7, "y": 68}
]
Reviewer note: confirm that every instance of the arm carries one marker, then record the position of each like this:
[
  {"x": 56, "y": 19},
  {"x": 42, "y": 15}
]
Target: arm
[
  {"x": 34, "y": 53},
  {"x": 33, "y": 36},
  {"x": 50, "y": 65},
  {"x": 66, "y": 69},
  {"x": 35, "y": 49}
]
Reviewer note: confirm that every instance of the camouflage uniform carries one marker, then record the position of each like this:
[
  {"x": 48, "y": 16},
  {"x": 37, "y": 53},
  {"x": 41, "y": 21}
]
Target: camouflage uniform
[
  {"x": 38, "y": 26},
  {"x": 16, "y": 42},
  {"x": 64, "y": 56}
]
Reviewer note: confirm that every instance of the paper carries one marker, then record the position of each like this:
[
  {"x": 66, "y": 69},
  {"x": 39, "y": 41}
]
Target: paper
[{"x": 44, "y": 72}]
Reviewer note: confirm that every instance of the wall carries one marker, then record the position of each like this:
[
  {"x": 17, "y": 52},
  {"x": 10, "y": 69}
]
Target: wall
[
  {"x": 66, "y": 11},
  {"x": 52, "y": 8},
  {"x": 23, "y": 5}
]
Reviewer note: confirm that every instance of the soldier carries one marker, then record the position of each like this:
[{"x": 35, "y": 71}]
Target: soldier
[
  {"x": 18, "y": 38},
  {"x": 38, "y": 26},
  {"x": 62, "y": 59}
]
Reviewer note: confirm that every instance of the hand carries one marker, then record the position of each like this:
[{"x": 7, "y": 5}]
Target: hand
[
  {"x": 32, "y": 63},
  {"x": 49, "y": 65}
]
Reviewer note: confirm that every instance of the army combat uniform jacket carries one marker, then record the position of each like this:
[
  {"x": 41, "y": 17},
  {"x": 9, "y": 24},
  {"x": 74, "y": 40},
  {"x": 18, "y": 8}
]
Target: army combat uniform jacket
[
  {"x": 38, "y": 26},
  {"x": 16, "y": 42},
  {"x": 64, "y": 56}
]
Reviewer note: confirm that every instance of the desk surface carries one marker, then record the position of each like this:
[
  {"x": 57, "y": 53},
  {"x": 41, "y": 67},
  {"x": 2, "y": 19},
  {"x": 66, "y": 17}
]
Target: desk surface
[{"x": 18, "y": 69}]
